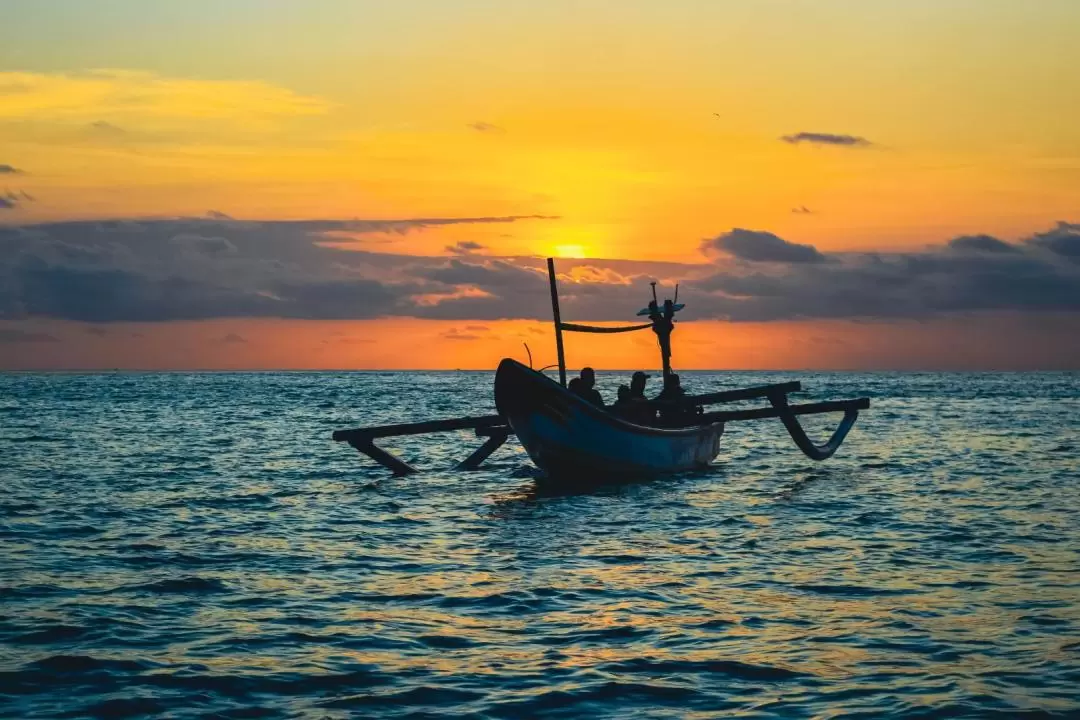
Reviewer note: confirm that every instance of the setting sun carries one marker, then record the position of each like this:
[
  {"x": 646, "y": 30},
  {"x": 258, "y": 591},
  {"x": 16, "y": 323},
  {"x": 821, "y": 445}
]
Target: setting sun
[{"x": 571, "y": 251}]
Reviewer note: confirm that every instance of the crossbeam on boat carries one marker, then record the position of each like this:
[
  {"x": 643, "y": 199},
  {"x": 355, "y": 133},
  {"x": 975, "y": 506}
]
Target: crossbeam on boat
[
  {"x": 775, "y": 412},
  {"x": 493, "y": 427},
  {"x": 726, "y": 396},
  {"x": 788, "y": 415},
  {"x": 421, "y": 428}
]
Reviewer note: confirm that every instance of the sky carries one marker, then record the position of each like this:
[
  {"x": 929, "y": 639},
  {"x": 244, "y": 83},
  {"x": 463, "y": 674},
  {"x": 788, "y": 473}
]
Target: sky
[{"x": 342, "y": 184}]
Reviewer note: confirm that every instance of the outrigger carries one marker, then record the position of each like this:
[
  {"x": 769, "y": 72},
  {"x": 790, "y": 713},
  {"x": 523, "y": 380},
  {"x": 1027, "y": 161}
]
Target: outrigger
[{"x": 567, "y": 436}]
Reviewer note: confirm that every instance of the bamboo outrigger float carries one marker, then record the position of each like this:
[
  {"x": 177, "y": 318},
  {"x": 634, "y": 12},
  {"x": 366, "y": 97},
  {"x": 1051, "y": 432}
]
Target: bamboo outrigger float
[{"x": 567, "y": 436}]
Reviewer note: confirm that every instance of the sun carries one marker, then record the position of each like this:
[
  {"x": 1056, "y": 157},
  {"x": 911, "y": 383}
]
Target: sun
[{"x": 570, "y": 251}]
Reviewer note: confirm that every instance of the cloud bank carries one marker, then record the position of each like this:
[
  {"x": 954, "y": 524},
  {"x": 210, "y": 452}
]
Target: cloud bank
[{"x": 213, "y": 267}]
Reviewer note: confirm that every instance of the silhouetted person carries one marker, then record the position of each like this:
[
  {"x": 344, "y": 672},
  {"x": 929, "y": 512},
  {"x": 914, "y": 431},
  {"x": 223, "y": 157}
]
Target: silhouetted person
[
  {"x": 670, "y": 403},
  {"x": 622, "y": 399},
  {"x": 637, "y": 408},
  {"x": 672, "y": 389},
  {"x": 582, "y": 386}
]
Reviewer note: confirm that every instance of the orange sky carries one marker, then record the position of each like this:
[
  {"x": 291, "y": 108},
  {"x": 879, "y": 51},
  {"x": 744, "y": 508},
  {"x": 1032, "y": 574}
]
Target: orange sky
[
  {"x": 645, "y": 128},
  {"x": 432, "y": 345}
]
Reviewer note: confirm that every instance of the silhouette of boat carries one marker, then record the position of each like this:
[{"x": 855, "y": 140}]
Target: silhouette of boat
[{"x": 566, "y": 435}]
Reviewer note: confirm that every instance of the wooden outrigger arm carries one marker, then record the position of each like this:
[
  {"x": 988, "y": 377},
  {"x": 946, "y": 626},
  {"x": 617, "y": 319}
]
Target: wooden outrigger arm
[
  {"x": 788, "y": 415},
  {"x": 493, "y": 427},
  {"x": 497, "y": 431}
]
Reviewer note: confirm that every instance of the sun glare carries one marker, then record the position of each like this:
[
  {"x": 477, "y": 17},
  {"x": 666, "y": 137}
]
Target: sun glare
[{"x": 570, "y": 251}]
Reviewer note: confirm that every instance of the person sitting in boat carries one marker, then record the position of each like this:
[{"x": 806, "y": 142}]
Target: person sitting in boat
[
  {"x": 583, "y": 387},
  {"x": 622, "y": 401},
  {"x": 637, "y": 408},
  {"x": 673, "y": 390},
  {"x": 669, "y": 401},
  {"x": 637, "y": 385}
]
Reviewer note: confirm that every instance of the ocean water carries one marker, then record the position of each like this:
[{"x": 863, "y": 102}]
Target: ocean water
[{"x": 195, "y": 545}]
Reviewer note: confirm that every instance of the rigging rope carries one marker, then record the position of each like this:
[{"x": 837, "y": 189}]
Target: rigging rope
[{"x": 573, "y": 327}]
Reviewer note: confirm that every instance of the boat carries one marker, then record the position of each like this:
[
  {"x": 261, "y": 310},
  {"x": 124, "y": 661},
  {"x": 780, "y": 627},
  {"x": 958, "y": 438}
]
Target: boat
[
  {"x": 568, "y": 436},
  {"x": 565, "y": 435}
]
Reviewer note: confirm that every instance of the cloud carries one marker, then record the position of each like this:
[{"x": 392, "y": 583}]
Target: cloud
[
  {"x": 981, "y": 243},
  {"x": 465, "y": 248},
  {"x": 214, "y": 246},
  {"x": 125, "y": 95},
  {"x": 233, "y": 339},
  {"x": 9, "y": 170},
  {"x": 470, "y": 332},
  {"x": 802, "y": 210},
  {"x": 483, "y": 127},
  {"x": 969, "y": 274},
  {"x": 22, "y": 336},
  {"x": 10, "y": 200},
  {"x": 107, "y": 129},
  {"x": 1063, "y": 240},
  {"x": 156, "y": 270},
  {"x": 815, "y": 138},
  {"x": 217, "y": 215},
  {"x": 759, "y": 246}
]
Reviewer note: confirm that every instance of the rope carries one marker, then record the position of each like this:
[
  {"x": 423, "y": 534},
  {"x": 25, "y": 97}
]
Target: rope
[{"x": 572, "y": 327}]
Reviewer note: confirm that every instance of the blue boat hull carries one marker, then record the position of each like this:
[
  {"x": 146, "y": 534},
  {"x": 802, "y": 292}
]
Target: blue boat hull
[{"x": 565, "y": 435}]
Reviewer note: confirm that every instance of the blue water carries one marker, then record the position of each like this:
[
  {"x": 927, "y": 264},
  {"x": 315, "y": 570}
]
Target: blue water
[{"x": 195, "y": 545}]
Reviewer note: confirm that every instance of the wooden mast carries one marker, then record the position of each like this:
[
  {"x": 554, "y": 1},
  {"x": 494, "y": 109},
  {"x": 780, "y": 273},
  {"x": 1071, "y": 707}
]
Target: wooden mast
[
  {"x": 558, "y": 320},
  {"x": 662, "y": 325}
]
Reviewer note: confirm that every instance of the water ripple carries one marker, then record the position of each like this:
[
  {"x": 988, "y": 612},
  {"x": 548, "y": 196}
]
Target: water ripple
[{"x": 194, "y": 545}]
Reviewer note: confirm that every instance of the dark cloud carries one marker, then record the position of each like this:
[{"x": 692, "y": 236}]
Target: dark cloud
[
  {"x": 455, "y": 334},
  {"x": 970, "y": 274},
  {"x": 217, "y": 215},
  {"x": 465, "y": 248},
  {"x": 112, "y": 295},
  {"x": 802, "y": 210},
  {"x": 9, "y": 170},
  {"x": 1063, "y": 240},
  {"x": 203, "y": 268},
  {"x": 490, "y": 274},
  {"x": 107, "y": 129},
  {"x": 22, "y": 336},
  {"x": 214, "y": 246},
  {"x": 98, "y": 331},
  {"x": 759, "y": 246},
  {"x": 233, "y": 339},
  {"x": 483, "y": 127},
  {"x": 981, "y": 243},
  {"x": 815, "y": 138},
  {"x": 10, "y": 200}
]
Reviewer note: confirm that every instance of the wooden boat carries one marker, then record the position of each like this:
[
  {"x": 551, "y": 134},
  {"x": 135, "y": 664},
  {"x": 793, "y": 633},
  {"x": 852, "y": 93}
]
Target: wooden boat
[{"x": 566, "y": 435}]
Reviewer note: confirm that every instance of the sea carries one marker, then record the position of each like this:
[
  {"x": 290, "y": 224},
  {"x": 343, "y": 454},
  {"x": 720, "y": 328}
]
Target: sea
[{"x": 195, "y": 545}]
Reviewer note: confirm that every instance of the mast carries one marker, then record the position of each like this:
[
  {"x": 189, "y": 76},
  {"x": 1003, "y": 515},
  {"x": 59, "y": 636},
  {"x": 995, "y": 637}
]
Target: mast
[
  {"x": 558, "y": 320},
  {"x": 663, "y": 325}
]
